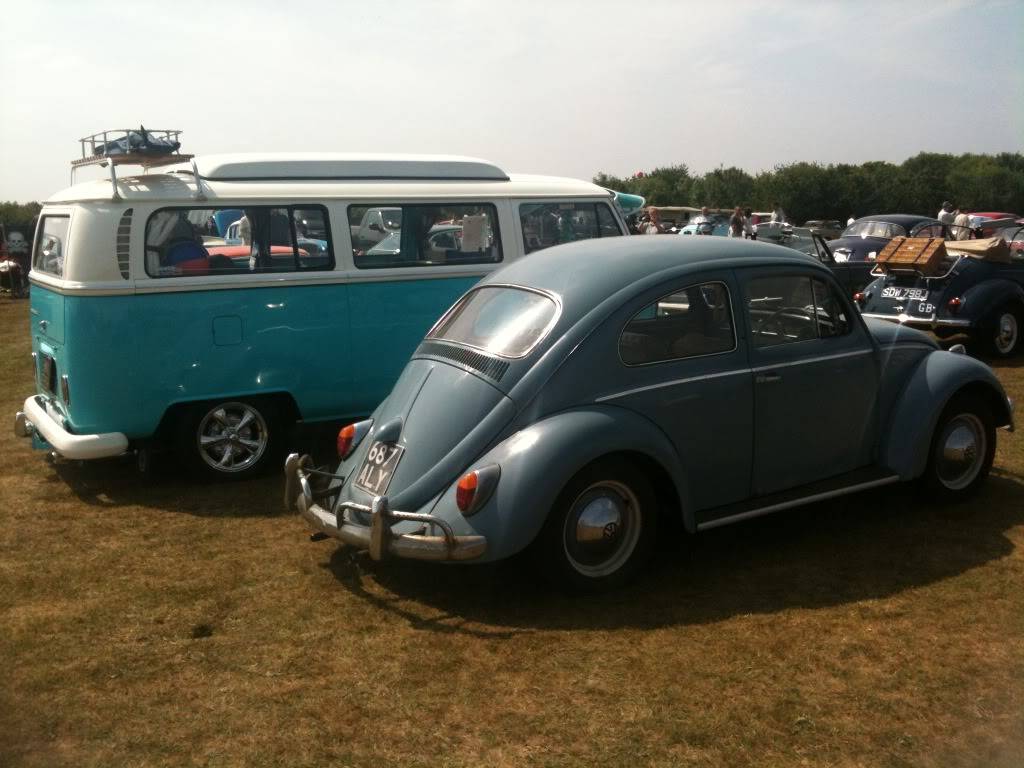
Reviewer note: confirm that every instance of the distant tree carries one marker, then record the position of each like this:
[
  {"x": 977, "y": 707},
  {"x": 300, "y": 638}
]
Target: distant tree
[{"x": 19, "y": 214}]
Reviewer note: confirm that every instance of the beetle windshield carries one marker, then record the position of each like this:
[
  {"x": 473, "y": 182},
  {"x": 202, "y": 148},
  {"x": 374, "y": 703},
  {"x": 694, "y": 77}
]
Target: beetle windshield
[
  {"x": 874, "y": 229},
  {"x": 508, "y": 322}
]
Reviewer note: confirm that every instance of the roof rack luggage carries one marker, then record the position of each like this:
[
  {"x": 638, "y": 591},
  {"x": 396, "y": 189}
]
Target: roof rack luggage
[{"x": 146, "y": 147}]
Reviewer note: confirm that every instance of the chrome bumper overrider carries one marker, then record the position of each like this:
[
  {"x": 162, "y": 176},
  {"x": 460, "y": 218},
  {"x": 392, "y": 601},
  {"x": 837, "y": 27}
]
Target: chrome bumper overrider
[
  {"x": 41, "y": 418},
  {"x": 377, "y": 538},
  {"x": 920, "y": 322}
]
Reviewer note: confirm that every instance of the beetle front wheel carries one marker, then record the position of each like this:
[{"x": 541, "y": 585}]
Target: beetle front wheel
[{"x": 601, "y": 528}]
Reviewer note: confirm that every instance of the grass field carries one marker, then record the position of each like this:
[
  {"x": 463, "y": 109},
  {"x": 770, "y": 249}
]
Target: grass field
[{"x": 160, "y": 622}]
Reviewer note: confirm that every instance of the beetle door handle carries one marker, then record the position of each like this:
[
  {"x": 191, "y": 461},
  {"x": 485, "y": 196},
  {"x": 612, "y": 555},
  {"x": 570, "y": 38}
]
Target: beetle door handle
[{"x": 771, "y": 377}]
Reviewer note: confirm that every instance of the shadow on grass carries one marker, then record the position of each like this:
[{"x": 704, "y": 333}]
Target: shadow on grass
[
  {"x": 169, "y": 487},
  {"x": 863, "y": 547}
]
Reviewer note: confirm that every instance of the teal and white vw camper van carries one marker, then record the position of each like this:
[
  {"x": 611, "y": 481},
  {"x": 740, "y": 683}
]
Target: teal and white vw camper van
[{"x": 210, "y": 304}]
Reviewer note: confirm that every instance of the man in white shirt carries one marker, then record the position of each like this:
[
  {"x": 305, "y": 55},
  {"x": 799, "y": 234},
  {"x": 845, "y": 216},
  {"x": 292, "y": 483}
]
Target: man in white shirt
[
  {"x": 962, "y": 226},
  {"x": 778, "y": 215},
  {"x": 946, "y": 214},
  {"x": 702, "y": 217}
]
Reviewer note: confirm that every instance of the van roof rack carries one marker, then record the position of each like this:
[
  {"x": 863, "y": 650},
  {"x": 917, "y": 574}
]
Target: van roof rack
[{"x": 146, "y": 147}]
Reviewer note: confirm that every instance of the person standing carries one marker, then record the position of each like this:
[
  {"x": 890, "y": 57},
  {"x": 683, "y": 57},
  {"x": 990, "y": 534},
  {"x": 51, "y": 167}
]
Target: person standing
[
  {"x": 653, "y": 225},
  {"x": 748, "y": 225},
  {"x": 946, "y": 214},
  {"x": 778, "y": 215},
  {"x": 961, "y": 226},
  {"x": 736, "y": 222}
]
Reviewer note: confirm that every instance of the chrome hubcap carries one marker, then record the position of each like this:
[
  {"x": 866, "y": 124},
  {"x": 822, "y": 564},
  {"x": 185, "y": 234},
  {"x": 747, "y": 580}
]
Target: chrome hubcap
[
  {"x": 963, "y": 448},
  {"x": 232, "y": 437},
  {"x": 602, "y": 529},
  {"x": 1006, "y": 332}
]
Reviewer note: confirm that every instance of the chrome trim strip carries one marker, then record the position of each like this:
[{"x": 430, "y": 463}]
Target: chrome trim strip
[
  {"x": 672, "y": 383},
  {"x": 931, "y": 322},
  {"x": 797, "y": 502},
  {"x": 816, "y": 359}
]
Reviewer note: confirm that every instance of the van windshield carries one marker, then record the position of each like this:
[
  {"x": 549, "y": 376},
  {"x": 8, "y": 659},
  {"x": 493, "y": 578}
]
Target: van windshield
[{"x": 508, "y": 322}]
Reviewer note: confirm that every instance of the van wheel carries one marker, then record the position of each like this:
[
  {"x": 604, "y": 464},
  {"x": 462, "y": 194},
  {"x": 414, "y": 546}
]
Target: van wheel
[
  {"x": 601, "y": 528},
  {"x": 962, "y": 449},
  {"x": 1004, "y": 330},
  {"x": 233, "y": 439}
]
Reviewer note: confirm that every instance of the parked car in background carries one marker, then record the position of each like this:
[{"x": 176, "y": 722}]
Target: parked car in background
[
  {"x": 987, "y": 223},
  {"x": 578, "y": 401},
  {"x": 851, "y": 275},
  {"x": 862, "y": 240},
  {"x": 978, "y": 289},
  {"x": 827, "y": 228}
]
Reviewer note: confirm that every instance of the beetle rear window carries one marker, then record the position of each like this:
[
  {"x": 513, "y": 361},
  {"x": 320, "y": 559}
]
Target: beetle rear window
[{"x": 503, "y": 321}]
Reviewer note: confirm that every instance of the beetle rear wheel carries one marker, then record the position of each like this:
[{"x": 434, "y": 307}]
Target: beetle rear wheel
[
  {"x": 601, "y": 528},
  {"x": 963, "y": 446}
]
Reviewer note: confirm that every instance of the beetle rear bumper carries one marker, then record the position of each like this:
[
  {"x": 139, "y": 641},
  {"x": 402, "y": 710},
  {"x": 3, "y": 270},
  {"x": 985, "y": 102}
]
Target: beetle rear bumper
[
  {"x": 928, "y": 323},
  {"x": 42, "y": 420},
  {"x": 378, "y": 537}
]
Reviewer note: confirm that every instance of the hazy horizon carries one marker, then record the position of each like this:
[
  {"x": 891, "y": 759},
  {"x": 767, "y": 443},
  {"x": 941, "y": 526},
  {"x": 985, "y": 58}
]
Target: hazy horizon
[{"x": 565, "y": 88}]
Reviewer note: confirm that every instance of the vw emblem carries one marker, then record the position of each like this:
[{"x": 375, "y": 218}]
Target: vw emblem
[{"x": 610, "y": 530}]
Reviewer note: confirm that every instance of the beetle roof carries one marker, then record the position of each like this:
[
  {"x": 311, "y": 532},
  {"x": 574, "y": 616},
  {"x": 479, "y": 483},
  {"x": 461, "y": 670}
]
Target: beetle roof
[
  {"x": 903, "y": 219},
  {"x": 587, "y": 272}
]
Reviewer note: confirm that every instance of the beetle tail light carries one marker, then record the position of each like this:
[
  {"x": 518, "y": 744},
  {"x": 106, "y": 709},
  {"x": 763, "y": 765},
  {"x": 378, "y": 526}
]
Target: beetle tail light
[
  {"x": 954, "y": 304},
  {"x": 859, "y": 297},
  {"x": 346, "y": 440},
  {"x": 465, "y": 491},
  {"x": 475, "y": 488}
]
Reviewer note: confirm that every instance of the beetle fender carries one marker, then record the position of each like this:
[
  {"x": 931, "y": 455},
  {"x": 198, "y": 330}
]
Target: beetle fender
[
  {"x": 537, "y": 461},
  {"x": 933, "y": 383},
  {"x": 981, "y": 300}
]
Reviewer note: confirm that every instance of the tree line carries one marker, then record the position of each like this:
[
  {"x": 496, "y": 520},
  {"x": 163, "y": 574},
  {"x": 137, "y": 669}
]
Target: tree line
[
  {"x": 19, "y": 215},
  {"x": 813, "y": 191}
]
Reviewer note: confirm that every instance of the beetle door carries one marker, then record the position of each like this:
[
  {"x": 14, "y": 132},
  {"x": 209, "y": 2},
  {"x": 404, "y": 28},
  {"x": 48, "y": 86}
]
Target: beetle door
[
  {"x": 686, "y": 371},
  {"x": 815, "y": 378}
]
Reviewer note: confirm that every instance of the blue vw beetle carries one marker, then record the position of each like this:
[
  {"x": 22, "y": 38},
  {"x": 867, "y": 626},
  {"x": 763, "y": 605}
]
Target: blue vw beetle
[{"x": 576, "y": 398}]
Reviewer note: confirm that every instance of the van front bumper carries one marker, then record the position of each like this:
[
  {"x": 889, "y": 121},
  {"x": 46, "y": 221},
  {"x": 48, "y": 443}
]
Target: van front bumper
[
  {"x": 378, "y": 538},
  {"x": 41, "y": 418}
]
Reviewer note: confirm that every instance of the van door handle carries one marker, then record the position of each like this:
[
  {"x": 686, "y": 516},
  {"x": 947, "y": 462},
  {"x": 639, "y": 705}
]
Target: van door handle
[
  {"x": 43, "y": 325},
  {"x": 771, "y": 377}
]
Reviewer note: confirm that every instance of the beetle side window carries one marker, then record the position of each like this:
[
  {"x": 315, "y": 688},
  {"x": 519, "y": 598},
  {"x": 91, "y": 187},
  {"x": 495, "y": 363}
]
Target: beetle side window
[
  {"x": 391, "y": 235},
  {"x": 223, "y": 241},
  {"x": 548, "y": 224},
  {"x": 781, "y": 310},
  {"x": 692, "y": 322}
]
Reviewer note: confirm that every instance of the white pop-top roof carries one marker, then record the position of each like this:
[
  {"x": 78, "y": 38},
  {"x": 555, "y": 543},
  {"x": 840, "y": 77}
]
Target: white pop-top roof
[
  {"x": 326, "y": 175},
  {"x": 344, "y": 166}
]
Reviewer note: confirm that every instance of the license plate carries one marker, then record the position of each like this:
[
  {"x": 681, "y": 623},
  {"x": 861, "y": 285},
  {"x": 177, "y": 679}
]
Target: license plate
[
  {"x": 911, "y": 294},
  {"x": 378, "y": 468}
]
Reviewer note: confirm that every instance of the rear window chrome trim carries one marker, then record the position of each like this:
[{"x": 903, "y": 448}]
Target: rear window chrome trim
[{"x": 547, "y": 329}]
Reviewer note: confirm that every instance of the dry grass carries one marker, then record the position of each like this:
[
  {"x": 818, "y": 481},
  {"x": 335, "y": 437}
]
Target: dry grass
[{"x": 163, "y": 623}]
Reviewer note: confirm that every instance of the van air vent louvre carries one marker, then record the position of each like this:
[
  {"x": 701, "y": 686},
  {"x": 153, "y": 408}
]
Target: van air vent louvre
[
  {"x": 488, "y": 366},
  {"x": 124, "y": 230}
]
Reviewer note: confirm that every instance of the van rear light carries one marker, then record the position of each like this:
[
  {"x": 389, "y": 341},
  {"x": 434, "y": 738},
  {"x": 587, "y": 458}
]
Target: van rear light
[
  {"x": 954, "y": 304},
  {"x": 346, "y": 437},
  {"x": 475, "y": 488}
]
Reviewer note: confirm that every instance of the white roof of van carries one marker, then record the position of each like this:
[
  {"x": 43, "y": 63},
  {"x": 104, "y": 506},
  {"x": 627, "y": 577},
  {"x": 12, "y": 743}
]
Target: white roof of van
[{"x": 327, "y": 175}]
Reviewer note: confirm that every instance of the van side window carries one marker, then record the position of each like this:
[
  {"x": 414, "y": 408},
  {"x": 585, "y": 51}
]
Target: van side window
[
  {"x": 398, "y": 235},
  {"x": 547, "y": 224},
  {"x": 222, "y": 241},
  {"x": 51, "y": 245}
]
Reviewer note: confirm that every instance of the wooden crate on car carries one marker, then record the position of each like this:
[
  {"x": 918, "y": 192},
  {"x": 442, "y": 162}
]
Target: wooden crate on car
[{"x": 912, "y": 254}]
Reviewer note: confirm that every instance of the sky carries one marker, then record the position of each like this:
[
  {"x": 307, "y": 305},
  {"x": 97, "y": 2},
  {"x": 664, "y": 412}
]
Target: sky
[{"x": 552, "y": 87}]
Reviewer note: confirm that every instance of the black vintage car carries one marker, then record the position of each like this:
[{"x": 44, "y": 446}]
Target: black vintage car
[
  {"x": 851, "y": 275},
  {"x": 865, "y": 238},
  {"x": 978, "y": 289}
]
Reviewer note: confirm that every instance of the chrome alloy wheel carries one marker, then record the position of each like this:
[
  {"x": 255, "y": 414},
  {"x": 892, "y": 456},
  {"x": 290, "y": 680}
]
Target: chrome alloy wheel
[
  {"x": 602, "y": 529},
  {"x": 232, "y": 437},
  {"x": 1007, "y": 331},
  {"x": 963, "y": 447}
]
